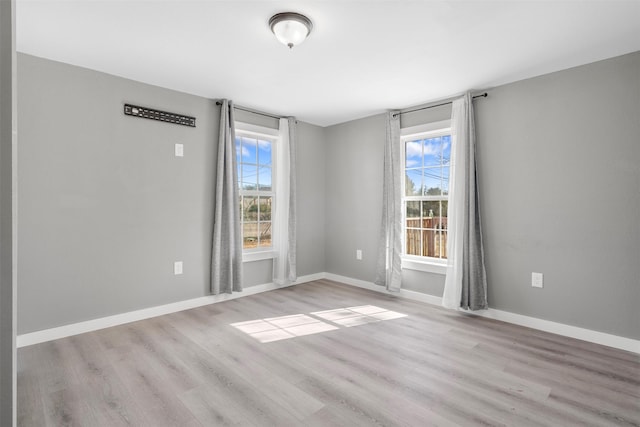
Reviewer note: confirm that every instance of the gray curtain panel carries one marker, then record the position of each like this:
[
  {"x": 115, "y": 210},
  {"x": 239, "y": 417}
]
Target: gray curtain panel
[
  {"x": 389, "y": 264},
  {"x": 293, "y": 224},
  {"x": 226, "y": 263},
  {"x": 474, "y": 277},
  {"x": 466, "y": 282}
]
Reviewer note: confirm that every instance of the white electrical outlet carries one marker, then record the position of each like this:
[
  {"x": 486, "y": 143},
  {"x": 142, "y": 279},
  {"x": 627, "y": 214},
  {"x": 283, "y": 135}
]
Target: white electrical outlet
[
  {"x": 177, "y": 267},
  {"x": 537, "y": 280},
  {"x": 359, "y": 254},
  {"x": 179, "y": 150}
]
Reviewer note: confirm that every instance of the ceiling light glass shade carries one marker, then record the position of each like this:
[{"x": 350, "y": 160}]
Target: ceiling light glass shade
[{"x": 290, "y": 28}]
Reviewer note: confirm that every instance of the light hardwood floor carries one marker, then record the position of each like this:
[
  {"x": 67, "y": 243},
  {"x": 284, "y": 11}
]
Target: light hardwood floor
[{"x": 431, "y": 367}]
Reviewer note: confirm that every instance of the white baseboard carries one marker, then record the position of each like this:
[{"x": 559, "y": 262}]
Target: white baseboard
[
  {"x": 602, "y": 338},
  {"x": 583, "y": 334},
  {"x": 404, "y": 293},
  {"x": 589, "y": 335},
  {"x": 37, "y": 337}
]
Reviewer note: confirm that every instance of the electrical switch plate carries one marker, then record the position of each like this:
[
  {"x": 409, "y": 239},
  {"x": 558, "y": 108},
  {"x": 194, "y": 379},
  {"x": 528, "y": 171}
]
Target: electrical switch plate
[
  {"x": 179, "y": 150},
  {"x": 177, "y": 267},
  {"x": 537, "y": 280},
  {"x": 358, "y": 254}
]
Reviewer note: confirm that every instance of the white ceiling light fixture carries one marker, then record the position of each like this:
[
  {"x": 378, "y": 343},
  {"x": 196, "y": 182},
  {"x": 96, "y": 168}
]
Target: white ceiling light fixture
[{"x": 290, "y": 28}]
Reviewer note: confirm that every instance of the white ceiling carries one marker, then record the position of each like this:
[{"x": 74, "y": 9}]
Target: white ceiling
[{"x": 362, "y": 58}]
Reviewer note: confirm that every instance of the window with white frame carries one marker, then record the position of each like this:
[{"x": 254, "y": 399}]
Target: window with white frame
[
  {"x": 425, "y": 165},
  {"x": 255, "y": 153}
]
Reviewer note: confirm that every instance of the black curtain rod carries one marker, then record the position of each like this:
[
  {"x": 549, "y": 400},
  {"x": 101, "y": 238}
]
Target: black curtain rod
[
  {"x": 482, "y": 95},
  {"x": 248, "y": 110}
]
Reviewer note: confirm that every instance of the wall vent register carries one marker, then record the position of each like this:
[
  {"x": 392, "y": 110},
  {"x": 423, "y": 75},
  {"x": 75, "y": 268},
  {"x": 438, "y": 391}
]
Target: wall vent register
[{"x": 162, "y": 116}]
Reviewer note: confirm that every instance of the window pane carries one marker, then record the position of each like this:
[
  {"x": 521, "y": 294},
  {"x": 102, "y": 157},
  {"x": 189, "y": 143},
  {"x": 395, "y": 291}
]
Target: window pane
[
  {"x": 255, "y": 162},
  {"x": 249, "y": 150},
  {"x": 249, "y": 177},
  {"x": 433, "y": 181},
  {"x": 444, "y": 214},
  {"x": 440, "y": 244},
  {"x": 238, "y": 150},
  {"x": 445, "y": 180},
  {"x": 413, "y": 154},
  {"x": 265, "y": 208},
  {"x": 264, "y": 152},
  {"x": 264, "y": 178},
  {"x": 413, "y": 210},
  {"x": 413, "y": 182},
  {"x": 250, "y": 208},
  {"x": 440, "y": 237},
  {"x": 433, "y": 235},
  {"x": 413, "y": 241},
  {"x": 446, "y": 149},
  {"x": 427, "y": 168},
  {"x": 250, "y": 234},
  {"x": 430, "y": 213},
  {"x": 265, "y": 234},
  {"x": 433, "y": 151}
]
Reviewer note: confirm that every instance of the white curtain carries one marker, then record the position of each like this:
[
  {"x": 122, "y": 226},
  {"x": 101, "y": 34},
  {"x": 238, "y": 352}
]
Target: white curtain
[
  {"x": 465, "y": 284},
  {"x": 284, "y": 236},
  {"x": 389, "y": 264},
  {"x": 226, "y": 263}
]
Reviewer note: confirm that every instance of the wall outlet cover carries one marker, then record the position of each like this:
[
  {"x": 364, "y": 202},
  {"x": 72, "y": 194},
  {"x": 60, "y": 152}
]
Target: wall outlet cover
[
  {"x": 177, "y": 267},
  {"x": 537, "y": 280}
]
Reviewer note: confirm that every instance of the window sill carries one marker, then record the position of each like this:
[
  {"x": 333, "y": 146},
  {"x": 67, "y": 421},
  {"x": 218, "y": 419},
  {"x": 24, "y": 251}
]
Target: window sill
[
  {"x": 257, "y": 256},
  {"x": 418, "y": 264}
]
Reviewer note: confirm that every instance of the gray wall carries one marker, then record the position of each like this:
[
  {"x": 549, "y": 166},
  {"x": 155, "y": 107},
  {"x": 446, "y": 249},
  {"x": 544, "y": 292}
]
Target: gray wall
[
  {"x": 311, "y": 170},
  {"x": 106, "y": 208},
  {"x": 559, "y": 178},
  {"x": 560, "y": 194},
  {"x": 354, "y": 159},
  {"x": 7, "y": 218}
]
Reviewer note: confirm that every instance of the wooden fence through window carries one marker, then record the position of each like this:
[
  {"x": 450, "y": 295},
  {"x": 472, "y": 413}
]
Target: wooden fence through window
[{"x": 427, "y": 237}]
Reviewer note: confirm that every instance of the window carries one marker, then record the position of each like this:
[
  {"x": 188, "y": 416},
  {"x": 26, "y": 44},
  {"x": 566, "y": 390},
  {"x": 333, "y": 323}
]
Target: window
[
  {"x": 426, "y": 160},
  {"x": 256, "y": 164}
]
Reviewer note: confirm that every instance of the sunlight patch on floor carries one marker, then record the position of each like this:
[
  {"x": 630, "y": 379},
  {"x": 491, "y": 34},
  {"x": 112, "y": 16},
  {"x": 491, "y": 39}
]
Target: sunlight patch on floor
[
  {"x": 282, "y": 328},
  {"x": 354, "y": 316},
  {"x": 296, "y": 325}
]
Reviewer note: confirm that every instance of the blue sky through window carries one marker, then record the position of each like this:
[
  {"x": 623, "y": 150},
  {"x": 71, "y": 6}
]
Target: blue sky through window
[
  {"x": 427, "y": 165},
  {"x": 254, "y": 159},
  {"x": 264, "y": 152}
]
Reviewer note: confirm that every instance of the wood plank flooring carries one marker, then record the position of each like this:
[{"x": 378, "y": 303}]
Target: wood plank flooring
[{"x": 430, "y": 367}]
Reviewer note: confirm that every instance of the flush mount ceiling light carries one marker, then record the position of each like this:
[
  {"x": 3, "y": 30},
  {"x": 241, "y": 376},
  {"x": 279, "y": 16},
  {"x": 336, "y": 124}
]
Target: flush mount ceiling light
[{"x": 290, "y": 28}]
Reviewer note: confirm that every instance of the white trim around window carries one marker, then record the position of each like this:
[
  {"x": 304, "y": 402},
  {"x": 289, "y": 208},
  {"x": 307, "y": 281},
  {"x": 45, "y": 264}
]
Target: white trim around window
[
  {"x": 257, "y": 255},
  {"x": 427, "y": 265},
  {"x": 273, "y": 136},
  {"x": 429, "y": 130}
]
